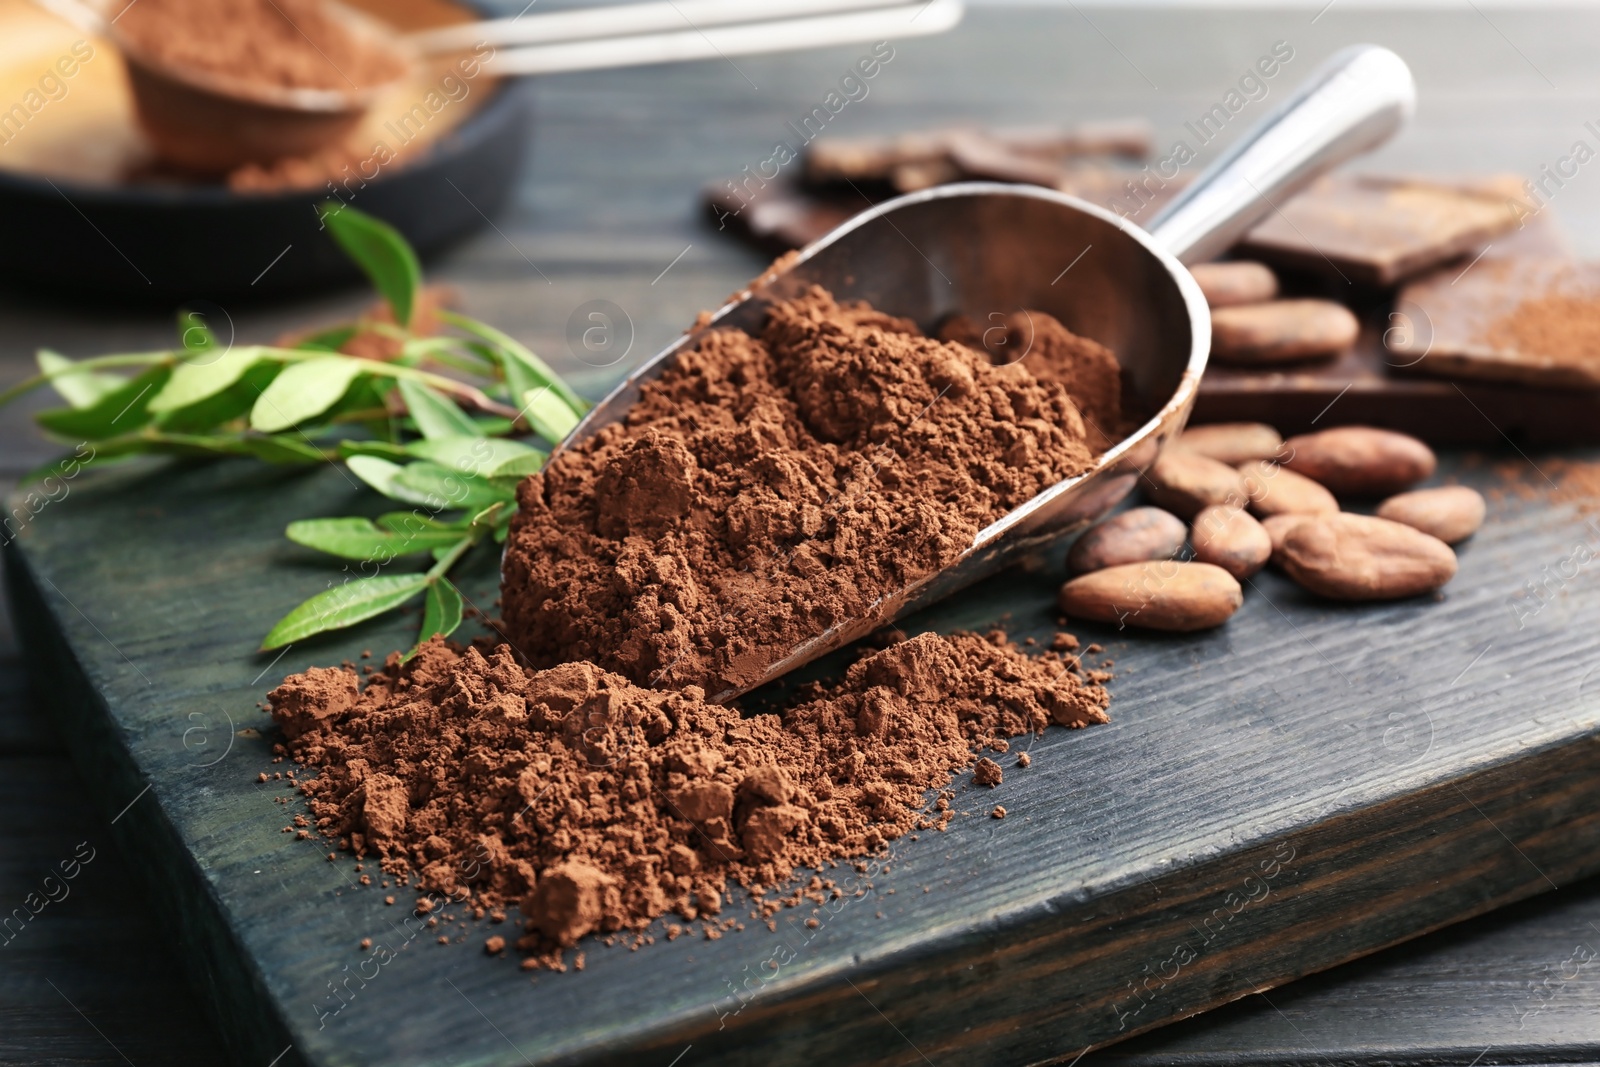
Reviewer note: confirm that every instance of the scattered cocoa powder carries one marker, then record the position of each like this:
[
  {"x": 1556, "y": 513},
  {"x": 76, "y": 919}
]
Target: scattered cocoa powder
[
  {"x": 1577, "y": 482},
  {"x": 598, "y": 805},
  {"x": 288, "y": 44},
  {"x": 1564, "y": 327},
  {"x": 766, "y": 488},
  {"x": 987, "y": 773}
]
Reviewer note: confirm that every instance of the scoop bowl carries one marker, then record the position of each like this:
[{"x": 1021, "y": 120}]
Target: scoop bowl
[{"x": 980, "y": 248}]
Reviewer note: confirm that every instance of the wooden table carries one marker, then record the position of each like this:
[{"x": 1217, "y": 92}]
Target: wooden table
[{"x": 609, "y": 212}]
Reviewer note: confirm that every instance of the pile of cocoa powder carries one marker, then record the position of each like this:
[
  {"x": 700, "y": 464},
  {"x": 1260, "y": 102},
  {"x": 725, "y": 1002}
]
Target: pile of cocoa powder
[
  {"x": 596, "y": 805},
  {"x": 764, "y": 489},
  {"x": 761, "y": 490},
  {"x": 287, "y": 44}
]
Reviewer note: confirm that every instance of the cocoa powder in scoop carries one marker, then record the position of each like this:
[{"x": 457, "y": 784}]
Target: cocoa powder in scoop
[
  {"x": 1087, "y": 369},
  {"x": 597, "y": 805},
  {"x": 285, "y": 44},
  {"x": 766, "y": 488}
]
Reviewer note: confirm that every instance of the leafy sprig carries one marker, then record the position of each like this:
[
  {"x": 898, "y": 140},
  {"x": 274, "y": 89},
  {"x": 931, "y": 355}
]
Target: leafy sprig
[{"x": 439, "y": 423}]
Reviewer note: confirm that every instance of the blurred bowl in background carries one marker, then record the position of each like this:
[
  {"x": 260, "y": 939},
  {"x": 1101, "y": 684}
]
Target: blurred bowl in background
[{"x": 88, "y": 212}]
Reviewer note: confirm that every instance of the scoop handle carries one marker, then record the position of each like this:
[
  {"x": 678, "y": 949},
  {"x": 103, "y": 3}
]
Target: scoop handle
[{"x": 1349, "y": 105}]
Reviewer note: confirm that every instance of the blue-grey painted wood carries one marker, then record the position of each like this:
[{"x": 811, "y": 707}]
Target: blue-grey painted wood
[
  {"x": 610, "y": 200},
  {"x": 1309, "y": 784}
]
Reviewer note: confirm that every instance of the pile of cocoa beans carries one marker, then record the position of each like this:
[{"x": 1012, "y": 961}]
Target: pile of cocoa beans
[
  {"x": 1227, "y": 499},
  {"x": 1252, "y": 327}
]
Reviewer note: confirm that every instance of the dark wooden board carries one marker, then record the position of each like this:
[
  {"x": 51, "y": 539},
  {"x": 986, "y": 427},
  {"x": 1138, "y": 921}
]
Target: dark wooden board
[
  {"x": 1392, "y": 768},
  {"x": 610, "y": 198}
]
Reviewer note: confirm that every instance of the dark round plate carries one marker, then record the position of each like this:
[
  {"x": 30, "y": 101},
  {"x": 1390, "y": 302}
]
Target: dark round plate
[{"x": 177, "y": 243}]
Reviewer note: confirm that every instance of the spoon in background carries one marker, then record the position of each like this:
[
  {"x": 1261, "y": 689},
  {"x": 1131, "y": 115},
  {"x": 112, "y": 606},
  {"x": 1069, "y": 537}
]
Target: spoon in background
[
  {"x": 977, "y": 248},
  {"x": 210, "y": 124}
]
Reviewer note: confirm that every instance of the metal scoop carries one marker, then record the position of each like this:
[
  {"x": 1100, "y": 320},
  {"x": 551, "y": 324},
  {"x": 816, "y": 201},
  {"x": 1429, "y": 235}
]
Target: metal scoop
[{"x": 979, "y": 247}]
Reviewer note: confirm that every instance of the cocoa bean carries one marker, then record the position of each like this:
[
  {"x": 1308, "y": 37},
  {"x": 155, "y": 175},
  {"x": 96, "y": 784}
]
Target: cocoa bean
[
  {"x": 1277, "y": 527},
  {"x": 1229, "y": 284},
  {"x": 1232, "y": 443},
  {"x": 1360, "y": 557},
  {"x": 1451, "y": 513},
  {"x": 1362, "y": 460},
  {"x": 1283, "y": 331},
  {"x": 1276, "y": 490},
  {"x": 1163, "y": 595},
  {"x": 1134, "y": 536},
  {"x": 1184, "y": 482},
  {"x": 1232, "y": 540}
]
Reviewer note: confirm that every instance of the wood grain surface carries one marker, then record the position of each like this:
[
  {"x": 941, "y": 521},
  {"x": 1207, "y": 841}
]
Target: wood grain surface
[
  {"x": 610, "y": 202},
  {"x": 1310, "y": 783}
]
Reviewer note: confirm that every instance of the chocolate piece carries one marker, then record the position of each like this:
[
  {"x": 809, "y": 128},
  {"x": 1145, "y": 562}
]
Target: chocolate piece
[
  {"x": 970, "y": 152},
  {"x": 1382, "y": 230},
  {"x": 1527, "y": 320},
  {"x": 779, "y": 217}
]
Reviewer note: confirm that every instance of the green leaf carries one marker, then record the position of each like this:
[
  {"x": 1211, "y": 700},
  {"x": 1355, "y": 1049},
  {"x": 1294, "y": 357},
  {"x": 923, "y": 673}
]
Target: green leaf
[
  {"x": 442, "y": 610},
  {"x": 356, "y": 538},
  {"x": 473, "y": 455},
  {"x": 232, "y": 403},
  {"x": 84, "y": 456},
  {"x": 549, "y": 415},
  {"x": 82, "y": 389},
  {"x": 194, "y": 333},
  {"x": 381, "y": 449},
  {"x": 407, "y": 522},
  {"x": 494, "y": 425},
  {"x": 194, "y": 382},
  {"x": 188, "y": 444},
  {"x": 491, "y": 514},
  {"x": 378, "y": 473},
  {"x": 519, "y": 467},
  {"x": 370, "y": 393},
  {"x": 344, "y": 605},
  {"x": 329, "y": 340},
  {"x": 436, "y": 414},
  {"x": 122, "y": 410},
  {"x": 524, "y": 370},
  {"x": 441, "y": 488},
  {"x": 380, "y": 252},
  {"x": 304, "y": 391},
  {"x": 283, "y": 448}
]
